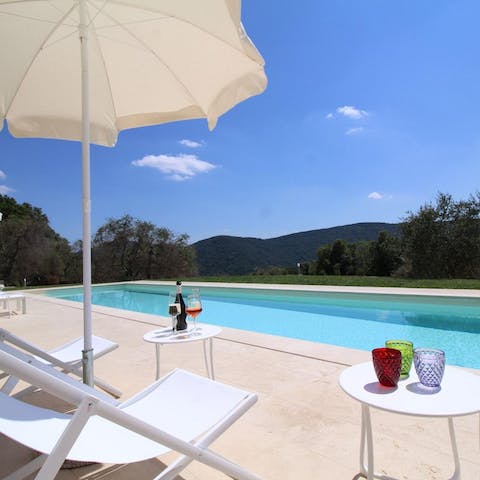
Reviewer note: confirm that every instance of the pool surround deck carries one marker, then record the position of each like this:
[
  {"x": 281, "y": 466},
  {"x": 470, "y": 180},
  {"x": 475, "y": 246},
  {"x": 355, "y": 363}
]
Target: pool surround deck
[{"x": 303, "y": 425}]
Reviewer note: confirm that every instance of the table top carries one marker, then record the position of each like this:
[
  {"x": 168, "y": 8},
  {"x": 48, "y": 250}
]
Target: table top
[
  {"x": 165, "y": 335},
  {"x": 458, "y": 394},
  {"x": 11, "y": 295}
]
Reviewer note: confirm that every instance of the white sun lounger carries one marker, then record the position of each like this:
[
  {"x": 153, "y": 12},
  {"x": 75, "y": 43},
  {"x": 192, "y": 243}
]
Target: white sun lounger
[
  {"x": 181, "y": 412},
  {"x": 41, "y": 365},
  {"x": 66, "y": 357}
]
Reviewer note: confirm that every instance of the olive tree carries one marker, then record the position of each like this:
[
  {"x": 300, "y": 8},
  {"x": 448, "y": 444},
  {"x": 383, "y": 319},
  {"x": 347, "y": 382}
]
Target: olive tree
[
  {"x": 30, "y": 250},
  {"x": 131, "y": 249},
  {"x": 442, "y": 240},
  {"x": 385, "y": 255}
]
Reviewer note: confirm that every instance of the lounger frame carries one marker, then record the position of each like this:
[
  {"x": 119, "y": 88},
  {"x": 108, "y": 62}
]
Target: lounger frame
[
  {"x": 89, "y": 403},
  {"x": 71, "y": 350}
]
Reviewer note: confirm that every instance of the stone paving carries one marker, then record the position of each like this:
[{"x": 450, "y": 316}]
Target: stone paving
[{"x": 302, "y": 427}]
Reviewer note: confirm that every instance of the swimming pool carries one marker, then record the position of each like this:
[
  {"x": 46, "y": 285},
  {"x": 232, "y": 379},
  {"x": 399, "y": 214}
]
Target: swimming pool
[{"x": 354, "y": 320}]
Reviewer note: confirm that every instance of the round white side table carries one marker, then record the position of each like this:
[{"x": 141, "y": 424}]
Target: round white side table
[
  {"x": 457, "y": 396},
  {"x": 203, "y": 331}
]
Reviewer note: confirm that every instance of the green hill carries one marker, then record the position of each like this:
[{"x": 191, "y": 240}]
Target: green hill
[{"x": 226, "y": 255}]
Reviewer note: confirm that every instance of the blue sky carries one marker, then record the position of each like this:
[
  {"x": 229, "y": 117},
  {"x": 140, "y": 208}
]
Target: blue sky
[{"x": 372, "y": 108}]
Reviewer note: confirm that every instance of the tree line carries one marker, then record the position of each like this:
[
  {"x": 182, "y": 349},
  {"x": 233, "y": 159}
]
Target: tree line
[
  {"x": 32, "y": 253},
  {"x": 440, "y": 240}
]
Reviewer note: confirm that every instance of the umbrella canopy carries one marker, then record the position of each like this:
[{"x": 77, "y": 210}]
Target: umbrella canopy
[
  {"x": 87, "y": 69},
  {"x": 150, "y": 62}
]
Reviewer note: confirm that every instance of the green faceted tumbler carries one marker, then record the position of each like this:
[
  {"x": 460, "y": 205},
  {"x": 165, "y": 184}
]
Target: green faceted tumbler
[{"x": 406, "y": 348}]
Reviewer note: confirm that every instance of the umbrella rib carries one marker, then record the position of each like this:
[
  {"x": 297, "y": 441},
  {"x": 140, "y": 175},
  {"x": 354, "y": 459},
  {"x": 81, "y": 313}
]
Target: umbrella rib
[
  {"x": 169, "y": 15},
  {"x": 40, "y": 48},
  {"x": 28, "y": 17},
  {"x": 147, "y": 48},
  {"x": 19, "y": 1},
  {"x": 179, "y": 19}
]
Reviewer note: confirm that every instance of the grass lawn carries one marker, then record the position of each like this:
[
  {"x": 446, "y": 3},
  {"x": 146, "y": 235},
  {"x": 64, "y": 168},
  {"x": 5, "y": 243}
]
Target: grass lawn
[
  {"x": 337, "y": 280},
  {"x": 344, "y": 280}
]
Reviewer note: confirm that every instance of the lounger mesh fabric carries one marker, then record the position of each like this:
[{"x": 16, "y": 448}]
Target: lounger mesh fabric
[
  {"x": 71, "y": 352},
  {"x": 46, "y": 367},
  {"x": 67, "y": 357},
  {"x": 106, "y": 442}
]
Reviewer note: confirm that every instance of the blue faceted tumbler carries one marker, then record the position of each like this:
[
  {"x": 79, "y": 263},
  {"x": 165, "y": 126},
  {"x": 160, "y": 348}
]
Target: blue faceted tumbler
[{"x": 429, "y": 365}]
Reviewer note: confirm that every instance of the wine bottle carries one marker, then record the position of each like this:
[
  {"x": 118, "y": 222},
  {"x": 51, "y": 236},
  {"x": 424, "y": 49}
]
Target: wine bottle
[{"x": 182, "y": 316}]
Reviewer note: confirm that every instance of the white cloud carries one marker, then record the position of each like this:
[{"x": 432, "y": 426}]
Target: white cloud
[
  {"x": 351, "y": 112},
  {"x": 4, "y": 190},
  {"x": 329, "y": 115},
  {"x": 190, "y": 143},
  {"x": 3, "y": 175},
  {"x": 176, "y": 167},
  {"x": 379, "y": 196},
  {"x": 354, "y": 131}
]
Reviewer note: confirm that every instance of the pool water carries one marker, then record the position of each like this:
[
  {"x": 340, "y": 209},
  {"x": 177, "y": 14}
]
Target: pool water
[{"x": 354, "y": 320}]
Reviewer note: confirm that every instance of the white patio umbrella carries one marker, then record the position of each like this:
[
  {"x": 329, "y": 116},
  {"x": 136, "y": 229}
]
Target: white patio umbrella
[{"x": 86, "y": 69}]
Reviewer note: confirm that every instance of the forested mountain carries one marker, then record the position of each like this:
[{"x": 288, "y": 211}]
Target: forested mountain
[{"x": 226, "y": 255}]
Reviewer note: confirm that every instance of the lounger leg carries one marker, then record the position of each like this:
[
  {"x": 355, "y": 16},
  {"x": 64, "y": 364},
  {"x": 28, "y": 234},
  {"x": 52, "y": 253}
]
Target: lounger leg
[
  {"x": 59, "y": 453},
  {"x": 203, "y": 442},
  {"x": 222, "y": 464},
  {"x": 181, "y": 462},
  {"x": 174, "y": 469},
  {"x": 107, "y": 387},
  {"x": 28, "y": 468},
  {"x": 227, "y": 467},
  {"x": 9, "y": 385}
]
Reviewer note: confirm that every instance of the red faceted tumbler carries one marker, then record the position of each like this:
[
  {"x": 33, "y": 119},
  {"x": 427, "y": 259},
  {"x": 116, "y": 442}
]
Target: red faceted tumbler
[{"x": 388, "y": 365}]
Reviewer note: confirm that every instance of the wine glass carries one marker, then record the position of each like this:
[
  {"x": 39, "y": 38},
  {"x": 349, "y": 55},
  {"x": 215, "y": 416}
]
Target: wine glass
[
  {"x": 194, "y": 306},
  {"x": 173, "y": 309}
]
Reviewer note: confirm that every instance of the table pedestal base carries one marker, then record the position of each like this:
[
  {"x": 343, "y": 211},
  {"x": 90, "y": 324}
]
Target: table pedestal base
[
  {"x": 366, "y": 440},
  {"x": 208, "y": 358}
]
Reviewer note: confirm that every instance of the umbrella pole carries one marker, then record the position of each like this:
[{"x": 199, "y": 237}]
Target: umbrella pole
[{"x": 87, "y": 352}]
